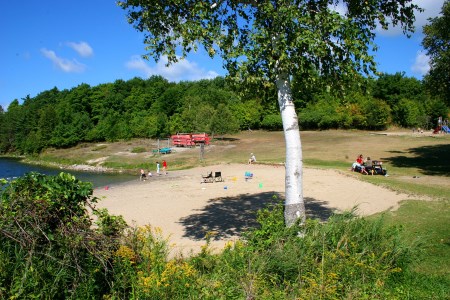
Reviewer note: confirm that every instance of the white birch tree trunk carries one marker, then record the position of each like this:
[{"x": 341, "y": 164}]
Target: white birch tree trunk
[{"x": 294, "y": 208}]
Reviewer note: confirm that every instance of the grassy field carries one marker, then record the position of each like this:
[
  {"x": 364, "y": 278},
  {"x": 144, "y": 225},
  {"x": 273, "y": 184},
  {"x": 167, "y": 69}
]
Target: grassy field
[{"x": 417, "y": 164}]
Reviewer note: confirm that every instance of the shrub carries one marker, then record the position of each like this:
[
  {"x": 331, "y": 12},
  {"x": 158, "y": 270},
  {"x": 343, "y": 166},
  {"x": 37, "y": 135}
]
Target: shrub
[
  {"x": 272, "y": 122},
  {"x": 377, "y": 114},
  {"x": 408, "y": 113},
  {"x": 48, "y": 246},
  {"x": 142, "y": 269},
  {"x": 138, "y": 150},
  {"x": 346, "y": 257}
]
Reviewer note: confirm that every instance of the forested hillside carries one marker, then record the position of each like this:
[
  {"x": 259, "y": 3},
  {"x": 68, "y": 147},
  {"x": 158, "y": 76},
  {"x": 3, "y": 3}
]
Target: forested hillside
[{"x": 154, "y": 107}]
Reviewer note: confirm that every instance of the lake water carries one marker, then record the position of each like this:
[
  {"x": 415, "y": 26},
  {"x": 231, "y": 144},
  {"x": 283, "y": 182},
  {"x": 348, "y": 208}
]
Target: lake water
[{"x": 12, "y": 168}]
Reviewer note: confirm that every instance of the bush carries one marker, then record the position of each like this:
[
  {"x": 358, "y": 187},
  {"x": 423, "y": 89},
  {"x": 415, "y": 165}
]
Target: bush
[
  {"x": 272, "y": 122},
  {"x": 142, "y": 269},
  {"x": 48, "y": 247},
  {"x": 377, "y": 114},
  {"x": 138, "y": 150},
  {"x": 346, "y": 257}
]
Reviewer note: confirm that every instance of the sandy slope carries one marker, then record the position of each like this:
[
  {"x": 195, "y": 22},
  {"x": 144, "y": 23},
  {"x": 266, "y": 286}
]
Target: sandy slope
[{"x": 186, "y": 209}]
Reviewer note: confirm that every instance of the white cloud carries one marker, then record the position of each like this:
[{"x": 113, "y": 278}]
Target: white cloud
[
  {"x": 432, "y": 8},
  {"x": 183, "y": 70},
  {"x": 422, "y": 64},
  {"x": 82, "y": 48},
  {"x": 68, "y": 66}
]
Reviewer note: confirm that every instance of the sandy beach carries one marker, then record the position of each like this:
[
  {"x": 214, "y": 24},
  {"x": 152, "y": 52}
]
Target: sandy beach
[{"x": 186, "y": 209}]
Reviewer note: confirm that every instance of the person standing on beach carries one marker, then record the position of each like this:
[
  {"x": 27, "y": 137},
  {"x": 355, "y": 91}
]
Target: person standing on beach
[
  {"x": 157, "y": 168},
  {"x": 164, "y": 163}
]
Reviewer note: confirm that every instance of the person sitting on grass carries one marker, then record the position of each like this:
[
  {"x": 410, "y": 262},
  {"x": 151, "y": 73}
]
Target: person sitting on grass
[
  {"x": 358, "y": 164},
  {"x": 368, "y": 165},
  {"x": 252, "y": 159}
]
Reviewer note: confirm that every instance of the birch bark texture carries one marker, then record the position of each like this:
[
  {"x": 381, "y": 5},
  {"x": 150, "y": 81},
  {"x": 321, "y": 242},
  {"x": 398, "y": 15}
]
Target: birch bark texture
[
  {"x": 294, "y": 207},
  {"x": 266, "y": 43}
]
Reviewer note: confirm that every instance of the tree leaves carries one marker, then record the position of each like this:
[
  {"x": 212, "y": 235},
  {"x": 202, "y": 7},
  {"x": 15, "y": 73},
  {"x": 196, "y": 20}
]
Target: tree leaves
[{"x": 256, "y": 38}]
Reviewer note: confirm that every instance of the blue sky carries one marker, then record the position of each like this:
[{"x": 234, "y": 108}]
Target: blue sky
[{"x": 64, "y": 43}]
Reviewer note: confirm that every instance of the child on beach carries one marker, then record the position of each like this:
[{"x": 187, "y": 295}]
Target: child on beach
[
  {"x": 143, "y": 176},
  {"x": 252, "y": 159},
  {"x": 164, "y": 163}
]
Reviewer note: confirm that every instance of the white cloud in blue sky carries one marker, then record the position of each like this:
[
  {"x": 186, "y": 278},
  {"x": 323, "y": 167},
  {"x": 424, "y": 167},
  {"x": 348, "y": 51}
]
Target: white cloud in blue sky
[
  {"x": 421, "y": 65},
  {"x": 182, "y": 70},
  {"x": 63, "y": 64},
  {"x": 431, "y": 9},
  {"x": 82, "y": 48}
]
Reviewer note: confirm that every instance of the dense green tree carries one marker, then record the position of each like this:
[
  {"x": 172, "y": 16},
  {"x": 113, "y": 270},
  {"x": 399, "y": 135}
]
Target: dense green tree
[
  {"x": 409, "y": 113},
  {"x": 177, "y": 125},
  {"x": 46, "y": 125},
  {"x": 79, "y": 98},
  {"x": 223, "y": 121},
  {"x": 162, "y": 126},
  {"x": 248, "y": 113},
  {"x": 435, "y": 108},
  {"x": 2, "y": 133},
  {"x": 189, "y": 114},
  {"x": 11, "y": 121},
  {"x": 202, "y": 122},
  {"x": 394, "y": 87},
  {"x": 376, "y": 114},
  {"x": 437, "y": 44},
  {"x": 155, "y": 87},
  {"x": 169, "y": 101}
]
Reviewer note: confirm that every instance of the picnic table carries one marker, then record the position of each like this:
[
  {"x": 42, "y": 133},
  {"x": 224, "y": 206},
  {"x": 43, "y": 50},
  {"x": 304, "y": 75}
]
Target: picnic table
[{"x": 166, "y": 150}]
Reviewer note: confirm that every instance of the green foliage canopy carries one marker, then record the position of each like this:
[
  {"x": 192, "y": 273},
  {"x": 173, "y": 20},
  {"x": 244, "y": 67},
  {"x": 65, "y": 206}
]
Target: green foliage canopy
[
  {"x": 258, "y": 39},
  {"x": 437, "y": 44}
]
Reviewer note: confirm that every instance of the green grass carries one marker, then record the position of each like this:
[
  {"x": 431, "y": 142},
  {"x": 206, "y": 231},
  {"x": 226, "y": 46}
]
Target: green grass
[
  {"x": 52, "y": 161},
  {"x": 427, "y": 223}
]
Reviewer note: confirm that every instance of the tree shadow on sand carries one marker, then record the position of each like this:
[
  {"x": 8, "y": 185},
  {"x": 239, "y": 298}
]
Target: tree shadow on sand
[{"x": 230, "y": 216}]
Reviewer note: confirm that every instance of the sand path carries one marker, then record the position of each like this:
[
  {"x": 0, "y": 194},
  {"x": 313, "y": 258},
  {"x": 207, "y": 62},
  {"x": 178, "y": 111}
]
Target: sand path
[{"x": 185, "y": 209}]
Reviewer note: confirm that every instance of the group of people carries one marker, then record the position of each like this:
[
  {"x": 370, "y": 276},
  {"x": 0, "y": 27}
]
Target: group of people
[
  {"x": 361, "y": 164},
  {"x": 143, "y": 175}
]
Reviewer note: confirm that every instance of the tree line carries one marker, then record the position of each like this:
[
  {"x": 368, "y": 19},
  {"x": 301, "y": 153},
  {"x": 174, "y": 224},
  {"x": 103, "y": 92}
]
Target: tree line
[{"x": 155, "y": 107}]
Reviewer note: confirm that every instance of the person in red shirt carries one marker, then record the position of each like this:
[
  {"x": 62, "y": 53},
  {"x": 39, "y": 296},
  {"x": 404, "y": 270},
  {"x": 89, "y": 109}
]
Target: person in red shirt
[
  {"x": 359, "y": 163},
  {"x": 164, "y": 164}
]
